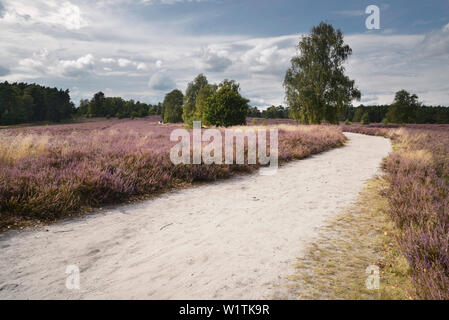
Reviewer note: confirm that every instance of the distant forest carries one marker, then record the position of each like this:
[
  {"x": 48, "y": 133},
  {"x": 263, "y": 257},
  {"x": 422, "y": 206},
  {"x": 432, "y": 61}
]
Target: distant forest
[
  {"x": 21, "y": 103},
  {"x": 101, "y": 106},
  {"x": 377, "y": 114},
  {"x": 25, "y": 103},
  {"x": 272, "y": 112}
]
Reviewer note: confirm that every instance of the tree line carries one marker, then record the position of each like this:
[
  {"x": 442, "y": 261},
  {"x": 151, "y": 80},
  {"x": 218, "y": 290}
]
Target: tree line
[
  {"x": 273, "y": 112},
  {"x": 21, "y": 103},
  {"x": 102, "y": 106},
  {"x": 405, "y": 109}
]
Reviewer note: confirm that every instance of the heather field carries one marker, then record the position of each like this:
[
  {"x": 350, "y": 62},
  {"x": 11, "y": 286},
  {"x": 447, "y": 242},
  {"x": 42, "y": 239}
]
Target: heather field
[
  {"x": 52, "y": 172},
  {"x": 418, "y": 194}
]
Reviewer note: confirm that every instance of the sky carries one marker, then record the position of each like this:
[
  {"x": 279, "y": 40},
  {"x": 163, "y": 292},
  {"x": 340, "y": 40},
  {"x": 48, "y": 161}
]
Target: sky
[{"x": 142, "y": 49}]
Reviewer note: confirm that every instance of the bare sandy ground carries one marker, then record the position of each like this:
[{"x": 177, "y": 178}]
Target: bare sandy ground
[{"x": 233, "y": 239}]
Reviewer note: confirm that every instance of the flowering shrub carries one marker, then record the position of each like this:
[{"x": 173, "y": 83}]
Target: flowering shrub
[{"x": 50, "y": 172}]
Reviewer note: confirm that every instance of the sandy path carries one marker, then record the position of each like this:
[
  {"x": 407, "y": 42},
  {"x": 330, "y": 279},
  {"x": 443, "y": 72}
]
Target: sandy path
[{"x": 233, "y": 239}]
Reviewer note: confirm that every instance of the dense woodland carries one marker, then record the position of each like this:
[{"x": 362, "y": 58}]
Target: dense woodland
[
  {"x": 272, "y": 112},
  {"x": 397, "y": 113},
  {"x": 21, "y": 103},
  {"x": 102, "y": 106}
]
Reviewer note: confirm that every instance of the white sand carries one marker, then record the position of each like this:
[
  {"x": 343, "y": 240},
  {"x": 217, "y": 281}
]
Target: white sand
[{"x": 233, "y": 239}]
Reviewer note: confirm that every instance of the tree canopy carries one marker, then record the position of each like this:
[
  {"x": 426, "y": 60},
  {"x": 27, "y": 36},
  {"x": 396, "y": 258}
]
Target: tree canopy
[
  {"x": 22, "y": 102},
  {"x": 102, "y": 106},
  {"x": 404, "y": 108},
  {"x": 172, "y": 105},
  {"x": 201, "y": 101},
  {"x": 226, "y": 107},
  {"x": 189, "y": 106},
  {"x": 316, "y": 86}
]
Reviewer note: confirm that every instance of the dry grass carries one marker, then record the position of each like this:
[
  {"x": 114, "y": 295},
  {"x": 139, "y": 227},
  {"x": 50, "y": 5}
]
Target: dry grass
[
  {"x": 334, "y": 266},
  {"x": 16, "y": 147}
]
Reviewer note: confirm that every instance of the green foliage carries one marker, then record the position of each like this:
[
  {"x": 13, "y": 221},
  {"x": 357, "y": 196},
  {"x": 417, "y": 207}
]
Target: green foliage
[
  {"x": 278, "y": 112},
  {"x": 173, "y": 106},
  {"x": 316, "y": 86},
  {"x": 254, "y": 112},
  {"x": 359, "y": 112},
  {"x": 404, "y": 108},
  {"x": 156, "y": 109},
  {"x": 102, "y": 106},
  {"x": 96, "y": 105},
  {"x": 347, "y": 122},
  {"x": 21, "y": 103},
  {"x": 365, "y": 119},
  {"x": 226, "y": 107},
  {"x": 201, "y": 100},
  {"x": 189, "y": 105}
]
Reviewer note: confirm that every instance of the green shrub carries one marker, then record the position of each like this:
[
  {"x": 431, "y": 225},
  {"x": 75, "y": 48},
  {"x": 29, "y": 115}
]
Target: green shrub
[
  {"x": 226, "y": 107},
  {"x": 365, "y": 119}
]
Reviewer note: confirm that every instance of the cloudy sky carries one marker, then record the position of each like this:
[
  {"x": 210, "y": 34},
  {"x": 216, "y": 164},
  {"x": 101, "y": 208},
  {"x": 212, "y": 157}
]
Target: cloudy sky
[{"x": 142, "y": 49}]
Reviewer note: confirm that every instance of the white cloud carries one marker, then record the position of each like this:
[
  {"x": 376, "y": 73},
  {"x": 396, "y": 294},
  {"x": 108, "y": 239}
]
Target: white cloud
[
  {"x": 161, "y": 81},
  {"x": 269, "y": 55},
  {"x": 31, "y": 63},
  {"x": 75, "y": 68},
  {"x": 213, "y": 60},
  {"x": 68, "y": 15},
  {"x": 107, "y": 60},
  {"x": 141, "y": 66},
  {"x": 43, "y": 64},
  {"x": 48, "y": 12},
  {"x": 124, "y": 62}
]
